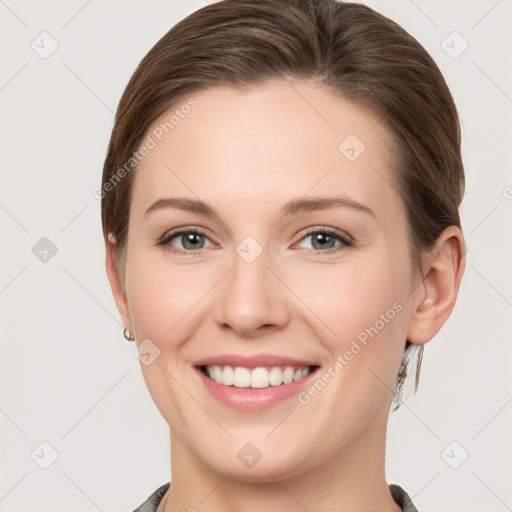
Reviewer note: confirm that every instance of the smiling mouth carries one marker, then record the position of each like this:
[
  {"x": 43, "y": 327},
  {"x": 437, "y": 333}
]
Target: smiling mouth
[{"x": 256, "y": 378}]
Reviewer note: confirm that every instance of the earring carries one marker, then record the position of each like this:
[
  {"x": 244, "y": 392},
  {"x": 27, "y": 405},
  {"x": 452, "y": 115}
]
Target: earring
[{"x": 128, "y": 335}]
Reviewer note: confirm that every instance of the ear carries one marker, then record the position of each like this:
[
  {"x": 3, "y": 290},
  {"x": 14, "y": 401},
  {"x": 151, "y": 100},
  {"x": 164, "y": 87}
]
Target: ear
[
  {"x": 434, "y": 300},
  {"x": 116, "y": 283}
]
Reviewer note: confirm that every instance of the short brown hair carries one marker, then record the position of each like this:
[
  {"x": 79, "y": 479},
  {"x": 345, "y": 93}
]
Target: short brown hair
[{"x": 349, "y": 48}]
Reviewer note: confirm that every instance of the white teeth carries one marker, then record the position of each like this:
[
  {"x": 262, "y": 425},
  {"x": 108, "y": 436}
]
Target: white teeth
[
  {"x": 260, "y": 377},
  {"x": 288, "y": 375},
  {"x": 228, "y": 376},
  {"x": 217, "y": 373},
  {"x": 275, "y": 376},
  {"x": 242, "y": 377}
]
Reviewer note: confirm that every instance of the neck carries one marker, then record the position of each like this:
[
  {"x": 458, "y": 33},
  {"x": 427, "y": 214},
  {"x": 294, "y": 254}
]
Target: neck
[{"x": 351, "y": 479}]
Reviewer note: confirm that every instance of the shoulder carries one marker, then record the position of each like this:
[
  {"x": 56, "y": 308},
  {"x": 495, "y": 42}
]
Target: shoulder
[
  {"x": 151, "y": 504},
  {"x": 402, "y": 498}
]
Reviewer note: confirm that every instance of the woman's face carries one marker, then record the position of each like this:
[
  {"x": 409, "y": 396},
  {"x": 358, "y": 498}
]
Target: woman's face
[{"x": 264, "y": 280}]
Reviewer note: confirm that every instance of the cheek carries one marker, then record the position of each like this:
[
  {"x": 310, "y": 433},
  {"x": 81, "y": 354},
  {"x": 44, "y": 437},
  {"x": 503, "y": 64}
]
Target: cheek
[
  {"x": 349, "y": 296},
  {"x": 366, "y": 313},
  {"x": 362, "y": 309},
  {"x": 163, "y": 302},
  {"x": 163, "y": 297}
]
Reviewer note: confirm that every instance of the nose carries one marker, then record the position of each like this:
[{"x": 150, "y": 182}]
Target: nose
[{"x": 252, "y": 299}]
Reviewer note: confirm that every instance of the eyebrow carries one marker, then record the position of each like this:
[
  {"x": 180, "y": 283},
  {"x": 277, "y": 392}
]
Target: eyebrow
[{"x": 293, "y": 207}]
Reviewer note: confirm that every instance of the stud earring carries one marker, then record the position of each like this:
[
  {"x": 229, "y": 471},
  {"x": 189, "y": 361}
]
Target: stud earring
[{"x": 128, "y": 335}]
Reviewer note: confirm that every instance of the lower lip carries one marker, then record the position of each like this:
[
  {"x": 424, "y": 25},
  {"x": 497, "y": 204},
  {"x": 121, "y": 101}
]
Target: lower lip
[{"x": 253, "y": 399}]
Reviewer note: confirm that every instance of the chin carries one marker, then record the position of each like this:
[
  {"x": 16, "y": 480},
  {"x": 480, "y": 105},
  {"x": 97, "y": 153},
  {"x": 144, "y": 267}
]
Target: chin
[{"x": 265, "y": 469}]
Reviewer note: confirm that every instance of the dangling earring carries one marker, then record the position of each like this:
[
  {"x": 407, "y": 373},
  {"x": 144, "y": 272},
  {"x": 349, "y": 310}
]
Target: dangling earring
[{"x": 128, "y": 335}]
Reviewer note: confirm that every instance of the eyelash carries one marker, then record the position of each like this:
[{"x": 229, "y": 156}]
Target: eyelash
[{"x": 345, "y": 241}]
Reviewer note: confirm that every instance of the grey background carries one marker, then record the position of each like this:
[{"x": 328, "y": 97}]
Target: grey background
[{"x": 68, "y": 377}]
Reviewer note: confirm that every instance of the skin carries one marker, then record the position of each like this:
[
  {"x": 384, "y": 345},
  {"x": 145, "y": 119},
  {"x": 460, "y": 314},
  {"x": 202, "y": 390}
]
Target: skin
[{"x": 246, "y": 153}]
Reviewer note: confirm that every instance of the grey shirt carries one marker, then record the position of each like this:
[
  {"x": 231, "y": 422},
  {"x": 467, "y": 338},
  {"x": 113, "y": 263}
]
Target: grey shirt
[{"x": 399, "y": 495}]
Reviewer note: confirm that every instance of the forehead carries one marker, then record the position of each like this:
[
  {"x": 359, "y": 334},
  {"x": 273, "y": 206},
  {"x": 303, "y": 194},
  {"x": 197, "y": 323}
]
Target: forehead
[{"x": 273, "y": 142}]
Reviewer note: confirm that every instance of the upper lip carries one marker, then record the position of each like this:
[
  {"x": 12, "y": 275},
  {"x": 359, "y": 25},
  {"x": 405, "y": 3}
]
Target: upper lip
[{"x": 253, "y": 361}]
